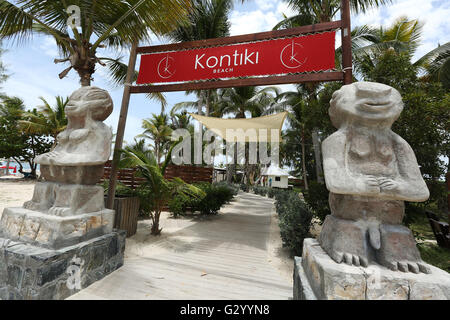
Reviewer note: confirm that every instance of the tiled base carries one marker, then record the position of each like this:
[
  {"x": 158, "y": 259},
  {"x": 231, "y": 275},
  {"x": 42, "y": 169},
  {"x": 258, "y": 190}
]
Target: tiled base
[{"x": 34, "y": 273}]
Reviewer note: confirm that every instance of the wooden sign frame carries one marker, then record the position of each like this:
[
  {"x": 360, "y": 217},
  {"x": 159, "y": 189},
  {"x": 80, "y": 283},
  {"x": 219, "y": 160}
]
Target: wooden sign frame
[{"x": 344, "y": 75}]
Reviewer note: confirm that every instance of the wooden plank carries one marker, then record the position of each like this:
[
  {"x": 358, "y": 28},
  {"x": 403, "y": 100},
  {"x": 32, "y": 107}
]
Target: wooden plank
[
  {"x": 319, "y": 27},
  {"x": 286, "y": 79},
  {"x": 231, "y": 261}
]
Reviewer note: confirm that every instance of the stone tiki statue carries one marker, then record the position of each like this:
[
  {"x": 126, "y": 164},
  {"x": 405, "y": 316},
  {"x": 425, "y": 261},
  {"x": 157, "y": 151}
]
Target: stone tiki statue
[
  {"x": 68, "y": 207},
  {"x": 370, "y": 171}
]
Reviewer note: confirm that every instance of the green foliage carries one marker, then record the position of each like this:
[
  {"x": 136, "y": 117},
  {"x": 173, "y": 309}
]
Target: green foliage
[
  {"x": 425, "y": 119},
  {"x": 121, "y": 189},
  {"x": 317, "y": 198},
  {"x": 260, "y": 190},
  {"x": 294, "y": 220},
  {"x": 435, "y": 255},
  {"x": 213, "y": 197},
  {"x": 216, "y": 196},
  {"x": 3, "y": 75},
  {"x": 48, "y": 120},
  {"x": 156, "y": 191},
  {"x": 244, "y": 187},
  {"x": 103, "y": 24},
  {"x": 16, "y": 144},
  {"x": 157, "y": 129},
  {"x": 281, "y": 200}
]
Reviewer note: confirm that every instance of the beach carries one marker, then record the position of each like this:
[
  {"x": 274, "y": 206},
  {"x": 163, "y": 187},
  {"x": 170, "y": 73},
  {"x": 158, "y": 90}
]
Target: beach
[{"x": 13, "y": 192}]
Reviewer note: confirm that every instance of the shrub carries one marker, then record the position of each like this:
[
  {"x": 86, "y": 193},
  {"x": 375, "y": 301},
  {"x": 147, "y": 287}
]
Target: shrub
[
  {"x": 121, "y": 189},
  {"x": 281, "y": 200},
  {"x": 244, "y": 187},
  {"x": 317, "y": 198},
  {"x": 271, "y": 192},
  {"x": 294, "y": 220},
  {"x": 217, "y": 194},
  {"x": 260, "y": 190},
  {"x": 180, "y": 203},
  {"x": 214, "y": 197}
]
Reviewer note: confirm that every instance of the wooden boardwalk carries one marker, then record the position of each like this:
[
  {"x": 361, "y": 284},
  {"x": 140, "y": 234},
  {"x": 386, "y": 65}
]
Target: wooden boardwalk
[{"x": 222, "y": 257}]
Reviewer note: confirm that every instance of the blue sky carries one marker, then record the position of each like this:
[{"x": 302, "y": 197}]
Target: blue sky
[{"x": 33, "y": 73}]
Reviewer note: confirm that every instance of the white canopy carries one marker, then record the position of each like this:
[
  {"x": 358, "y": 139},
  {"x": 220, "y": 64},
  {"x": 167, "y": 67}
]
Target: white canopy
[{"x": 274, "y": 171}]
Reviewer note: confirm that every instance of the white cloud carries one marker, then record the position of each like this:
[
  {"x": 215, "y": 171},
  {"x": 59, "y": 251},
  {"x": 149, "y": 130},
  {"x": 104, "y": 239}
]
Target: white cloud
[
  {"x": 252, "y": 21},
  {"x": 283, "y": 8},
  {"x": 265, "y": 4},
  {"x": 48, "y": 46}
]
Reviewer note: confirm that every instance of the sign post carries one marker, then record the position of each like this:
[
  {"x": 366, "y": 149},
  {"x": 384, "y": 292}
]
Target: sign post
[
  {"x": 296, "y": 55},
  {"x": 121, "y": 127},
  {"x": 346, "y": 36}
]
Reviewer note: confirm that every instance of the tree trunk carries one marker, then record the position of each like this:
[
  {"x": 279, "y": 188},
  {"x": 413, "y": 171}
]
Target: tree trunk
[
  {"x": 20, "y": 164},
  {"x": 305, "y": 179},
  {"x": 7, "y": 166},
  {"x": 317, "y": 155},
  {"x": 85, "y": 82},
  {"x": 207, "y": 106}
]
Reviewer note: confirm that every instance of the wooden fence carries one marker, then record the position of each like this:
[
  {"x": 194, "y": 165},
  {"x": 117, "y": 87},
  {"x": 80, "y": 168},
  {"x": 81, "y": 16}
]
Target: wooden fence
[{"x": 189, "y": 174}]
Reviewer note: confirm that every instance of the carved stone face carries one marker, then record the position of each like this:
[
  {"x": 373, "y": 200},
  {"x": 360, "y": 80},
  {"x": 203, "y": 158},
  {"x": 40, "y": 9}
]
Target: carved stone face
[
  {"x": 366, "y": 103},
  {"x": 90, "y": 100}
]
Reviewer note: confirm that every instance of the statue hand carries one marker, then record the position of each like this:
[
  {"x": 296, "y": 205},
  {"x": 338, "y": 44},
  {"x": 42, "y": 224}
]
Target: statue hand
[
  {"x": 388, "y": 184},
  {"x": 371, "y": 184}
]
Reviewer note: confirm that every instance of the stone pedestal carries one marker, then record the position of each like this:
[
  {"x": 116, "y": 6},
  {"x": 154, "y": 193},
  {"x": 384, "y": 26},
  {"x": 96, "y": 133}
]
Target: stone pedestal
[
  {"x": 34, "y": 273},
  {"x": 317, "y": 276},
  {"x": 54, "y": 232}
]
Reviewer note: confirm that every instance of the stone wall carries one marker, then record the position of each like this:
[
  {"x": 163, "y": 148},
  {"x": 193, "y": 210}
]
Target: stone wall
[{"x": 33, "y": 273}]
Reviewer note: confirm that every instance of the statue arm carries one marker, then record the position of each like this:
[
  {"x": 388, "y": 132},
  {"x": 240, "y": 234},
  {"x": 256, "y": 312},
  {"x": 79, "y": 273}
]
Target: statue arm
[
  {"x": 411, "y": 186},
  {"x": 337, "y": 177}
]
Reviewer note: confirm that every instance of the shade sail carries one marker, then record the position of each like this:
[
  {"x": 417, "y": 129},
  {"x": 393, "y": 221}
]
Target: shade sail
[{"x": 245, "y": 130}]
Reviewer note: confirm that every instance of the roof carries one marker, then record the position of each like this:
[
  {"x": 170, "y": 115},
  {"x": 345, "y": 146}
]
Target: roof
[{"x": 274, "y": 171}]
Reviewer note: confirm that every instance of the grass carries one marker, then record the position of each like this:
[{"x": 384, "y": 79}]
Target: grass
[{"x": 431, "y": 253}]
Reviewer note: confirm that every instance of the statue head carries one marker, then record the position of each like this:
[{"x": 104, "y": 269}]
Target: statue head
[
  {"x": 90, "y": 102},
  {"x": 365, "y": 103}
]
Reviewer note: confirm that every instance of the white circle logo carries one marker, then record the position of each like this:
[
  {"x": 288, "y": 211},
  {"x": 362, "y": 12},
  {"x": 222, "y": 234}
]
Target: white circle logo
[
  {"x": 165, "y": 68},
  {"x": 290, "y": 56}
]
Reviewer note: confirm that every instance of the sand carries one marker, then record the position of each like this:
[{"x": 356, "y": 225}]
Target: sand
[{"x": 14, "y": 192}]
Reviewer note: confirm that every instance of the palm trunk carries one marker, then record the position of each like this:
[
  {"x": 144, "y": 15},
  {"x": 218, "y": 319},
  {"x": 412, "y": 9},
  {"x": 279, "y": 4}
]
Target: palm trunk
[
  {"x": 305, "y": 179},
  {"x": 207, "y": 106},
  {"x": 317, "y": 155}
]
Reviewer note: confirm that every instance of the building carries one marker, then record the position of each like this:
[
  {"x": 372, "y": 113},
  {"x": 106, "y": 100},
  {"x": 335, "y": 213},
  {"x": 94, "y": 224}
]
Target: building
[{"x": 275, "y": 177}]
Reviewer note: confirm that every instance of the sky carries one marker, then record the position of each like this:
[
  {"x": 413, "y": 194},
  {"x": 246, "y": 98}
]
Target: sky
[{"x": 33, "y": 73}]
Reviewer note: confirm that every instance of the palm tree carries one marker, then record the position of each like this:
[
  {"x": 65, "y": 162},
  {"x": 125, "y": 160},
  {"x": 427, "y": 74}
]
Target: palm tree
[
  {"x": 11, "y": 142},
  {"x": 403, "y": 36},
  {"x": 155, "y": 191},
  {"x": 3, "y": 75},
  {"x": 180, "y": 120},
  {"x": 294, "y": 102},
  {"x": 239, "y": 101},
  {"x": 102, "y": 24},
  {"x": 158, "y": 130},
  {"x": 48, "y": 121},
  {"x": 436, "y": 65},
  {"x": 318, "y": 11},
  {"x": 208, "y": 19}
]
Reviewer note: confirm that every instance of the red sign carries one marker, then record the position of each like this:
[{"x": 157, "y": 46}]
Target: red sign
[{"x": 299, "y": 54}]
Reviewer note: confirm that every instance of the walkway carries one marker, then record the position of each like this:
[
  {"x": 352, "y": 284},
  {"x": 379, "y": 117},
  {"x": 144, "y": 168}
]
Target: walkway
[{"x": 227, "y": 256}]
